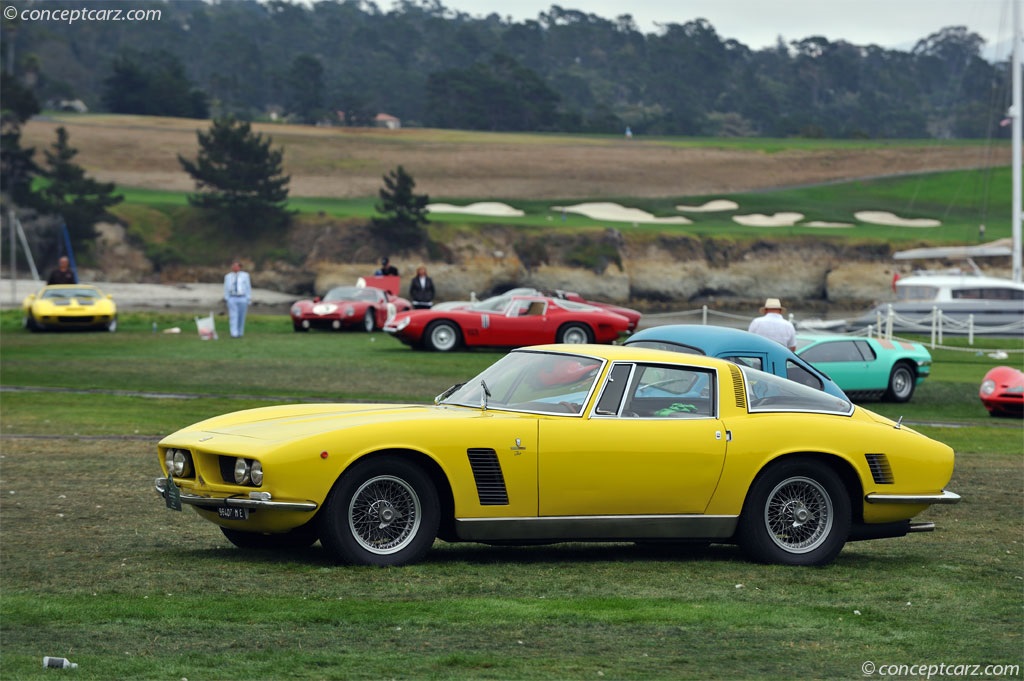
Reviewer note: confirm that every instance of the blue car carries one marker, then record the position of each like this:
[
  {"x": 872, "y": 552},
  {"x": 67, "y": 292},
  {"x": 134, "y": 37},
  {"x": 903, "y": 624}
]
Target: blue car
[{"x": 737, "y": 346}]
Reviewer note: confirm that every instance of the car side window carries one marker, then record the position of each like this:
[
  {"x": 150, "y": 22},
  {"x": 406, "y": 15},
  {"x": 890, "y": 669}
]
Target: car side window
[
  {"x": 838, "y": 351},
  {"x": 751, "y": 361},
  {"x": 795, "y": 372},
  {"x": 866, "y": 351},
  {"x": 658, "y": 391},
  {"x": 614, "y": 389}
]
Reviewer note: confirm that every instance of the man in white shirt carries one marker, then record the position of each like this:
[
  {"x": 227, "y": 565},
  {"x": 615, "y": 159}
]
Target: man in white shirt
[
  {"x": 773, "y": 325},
  {"x": 237, "y": 294}
]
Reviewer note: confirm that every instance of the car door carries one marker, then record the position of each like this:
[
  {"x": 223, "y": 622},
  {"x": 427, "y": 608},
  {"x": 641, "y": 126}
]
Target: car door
[
  {"x": 666, "y": 460},
  {"x": 843, "y": 360},
  {"x": 523, "y": 322}
]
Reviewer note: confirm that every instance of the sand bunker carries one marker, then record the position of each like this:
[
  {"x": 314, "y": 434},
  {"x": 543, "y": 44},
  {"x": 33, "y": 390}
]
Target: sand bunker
[
  {"x": 774, "y": 220},
  {"x": 489, "y": 208},
  {"x": 613, "y": 212},
  {"x": 882, "y": 218},
  {"x": 710, "y": 207}
]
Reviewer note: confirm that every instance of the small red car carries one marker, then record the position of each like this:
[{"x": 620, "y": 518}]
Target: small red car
[
  {"x": 497, "y": 302},
  {"x": 347, "y": 307},
  {"x": 1002, "y": 391},
  {"x": 524, "y": 320}
]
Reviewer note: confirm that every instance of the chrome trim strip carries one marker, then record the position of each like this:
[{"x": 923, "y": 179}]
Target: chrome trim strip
[
  {"x": 943, "y": 498},
  {"x": 238, "y": 502},
  {"x": 597, "y": 528}
]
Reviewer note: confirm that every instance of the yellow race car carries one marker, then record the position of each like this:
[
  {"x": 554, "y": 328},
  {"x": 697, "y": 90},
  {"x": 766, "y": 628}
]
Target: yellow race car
[
  {"x": 69, "y": 307},
  {"x": 565, "y": 443}
]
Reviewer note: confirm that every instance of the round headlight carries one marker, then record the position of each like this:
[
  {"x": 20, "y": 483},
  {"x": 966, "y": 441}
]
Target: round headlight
[
  {"x": 256, "y": 473},
  {"x": 179, "y": 464},
  {"x": 988, "y": 387},
  {"x": 241, "y": 471},
  {"x": 169, "y": 461},
  {"x": 296, "y": 310}
]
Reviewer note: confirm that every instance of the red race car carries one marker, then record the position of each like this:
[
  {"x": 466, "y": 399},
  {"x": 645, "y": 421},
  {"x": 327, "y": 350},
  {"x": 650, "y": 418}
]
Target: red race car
[
  {"x": 1002, "y": 392},
  {"x": 524, "y": 320},
  {"x": 498, "y": 302},
  {"x": 346, "y": 307}
]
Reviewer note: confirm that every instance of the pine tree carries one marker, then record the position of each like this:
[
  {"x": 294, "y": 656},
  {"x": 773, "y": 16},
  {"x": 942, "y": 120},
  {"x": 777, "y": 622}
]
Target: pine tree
[
  {"x": 79, "y": 199},
  {"x": 239, "y": 176},
  {"x": 404, "y": 212}
]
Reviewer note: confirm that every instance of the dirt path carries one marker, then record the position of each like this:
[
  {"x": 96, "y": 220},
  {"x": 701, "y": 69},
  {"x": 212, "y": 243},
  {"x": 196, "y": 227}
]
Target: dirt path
[{"x": 349, "y": 163}]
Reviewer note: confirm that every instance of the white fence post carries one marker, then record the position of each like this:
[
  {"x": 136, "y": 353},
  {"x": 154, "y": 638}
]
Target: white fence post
[{"x": 704, "y": 315}]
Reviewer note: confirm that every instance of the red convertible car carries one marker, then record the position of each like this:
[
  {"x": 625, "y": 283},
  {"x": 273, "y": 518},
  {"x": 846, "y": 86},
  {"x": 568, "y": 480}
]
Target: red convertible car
[
  {"x": 346, "y": 307},
  {"x": 524, "y": 320},
  {"x": 1002, "y": 391}
]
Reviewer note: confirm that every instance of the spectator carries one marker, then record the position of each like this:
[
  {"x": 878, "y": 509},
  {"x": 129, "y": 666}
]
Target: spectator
[
  {"x": 237, "y": 294},
  {"x": 773, "y": 325},
  {"x": 421, "y": 290},
  {"x": 63, "y": 273},
  {"x": 386, "y": 269}
]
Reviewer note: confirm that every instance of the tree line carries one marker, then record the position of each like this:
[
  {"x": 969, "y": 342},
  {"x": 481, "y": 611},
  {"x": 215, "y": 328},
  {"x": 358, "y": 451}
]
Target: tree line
[{"x": 567, "y": 70}]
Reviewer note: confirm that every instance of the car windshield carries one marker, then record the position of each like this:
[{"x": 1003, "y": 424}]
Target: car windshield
[
  {"x": 67, "y": 293},
  {"x": 350, "y": 293},
  {"x": 768, "y": 392},
  {"x": 538, "y": 382}
]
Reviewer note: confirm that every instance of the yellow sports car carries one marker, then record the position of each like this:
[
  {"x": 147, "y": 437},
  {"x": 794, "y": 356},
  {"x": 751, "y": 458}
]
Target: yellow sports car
[
  {"x": 69, "y": 306},
  {"x": 564, "y": 443}
]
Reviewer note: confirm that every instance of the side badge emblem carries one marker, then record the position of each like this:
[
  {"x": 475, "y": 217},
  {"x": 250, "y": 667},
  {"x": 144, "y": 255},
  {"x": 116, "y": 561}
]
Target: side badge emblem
[{"x": 519, "y": 447}]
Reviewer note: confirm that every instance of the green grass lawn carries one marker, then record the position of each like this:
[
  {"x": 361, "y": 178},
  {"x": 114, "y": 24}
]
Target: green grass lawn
[{"x": 96, "y": 569}]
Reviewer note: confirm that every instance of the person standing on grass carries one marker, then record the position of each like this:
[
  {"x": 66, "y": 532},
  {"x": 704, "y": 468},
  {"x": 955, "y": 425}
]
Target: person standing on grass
[
  {"x": 63, "y": 274},
  {"x": 237, "y": 294},
  {"x": 773, "y": 325},
  {"x": 421, "y": 290}
]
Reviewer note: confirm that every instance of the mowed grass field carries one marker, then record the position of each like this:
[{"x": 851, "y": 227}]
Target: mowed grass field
[{"x": 96, "y": 569}]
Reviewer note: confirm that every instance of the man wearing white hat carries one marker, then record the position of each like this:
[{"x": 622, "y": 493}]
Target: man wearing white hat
[{"x": 773, "y": 325}]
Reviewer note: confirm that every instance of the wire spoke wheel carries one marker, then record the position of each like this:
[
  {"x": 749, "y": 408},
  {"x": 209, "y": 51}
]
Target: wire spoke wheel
[
  {"x": 384, "y": 514},
  {"x": 798, "y": 515}
]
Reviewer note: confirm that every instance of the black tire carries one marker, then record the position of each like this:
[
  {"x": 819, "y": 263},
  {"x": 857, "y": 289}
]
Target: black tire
[
  {"x": 442, "y": 336},
  {"x": 30, "y": 323},
  {"x": 300, "y": 538},
  {"x": 383, "y": 512},
  {"x": 299, "y": 328},
  {"x": 575, "y": 333},
  {"x": 902, "y": 381},
  {"x": 369, "y": 320},
  {"x": 797, "y": 512}
]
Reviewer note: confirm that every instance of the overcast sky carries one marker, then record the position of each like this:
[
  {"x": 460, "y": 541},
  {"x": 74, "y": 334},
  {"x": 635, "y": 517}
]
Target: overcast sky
[{"x": 897, "y": 24}]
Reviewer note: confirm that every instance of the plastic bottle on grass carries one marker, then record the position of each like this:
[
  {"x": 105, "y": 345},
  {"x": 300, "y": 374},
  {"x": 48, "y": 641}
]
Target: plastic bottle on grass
[{"x": 58, "y": 663}]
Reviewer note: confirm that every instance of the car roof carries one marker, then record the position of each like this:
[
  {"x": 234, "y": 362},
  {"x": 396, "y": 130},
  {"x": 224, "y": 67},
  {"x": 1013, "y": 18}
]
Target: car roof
[
  {"x": 700, "y": 335},
  {"x": 622, "y": 353}
]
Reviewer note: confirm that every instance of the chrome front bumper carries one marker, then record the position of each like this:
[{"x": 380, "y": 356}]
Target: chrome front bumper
[
  {"x": 943, "y": 498},
  {"x": 254, "y": 500}
]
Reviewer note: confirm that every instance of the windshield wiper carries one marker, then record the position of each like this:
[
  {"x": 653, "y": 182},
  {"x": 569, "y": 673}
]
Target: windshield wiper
[
  {"x": 484, "y": 394},
  {"x": 447, "y": 393}
]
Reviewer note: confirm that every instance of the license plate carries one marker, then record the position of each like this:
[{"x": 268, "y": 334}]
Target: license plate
[{"x": 233, "y": 513}]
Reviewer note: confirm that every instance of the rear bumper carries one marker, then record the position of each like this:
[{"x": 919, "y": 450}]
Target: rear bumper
[{"x": 943, "y": 497}]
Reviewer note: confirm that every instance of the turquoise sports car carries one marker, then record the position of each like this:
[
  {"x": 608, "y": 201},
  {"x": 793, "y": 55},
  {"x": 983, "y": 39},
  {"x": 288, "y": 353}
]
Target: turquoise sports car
[{"x": 868, "y": 368}]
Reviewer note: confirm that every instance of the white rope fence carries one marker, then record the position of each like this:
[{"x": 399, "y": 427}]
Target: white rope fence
[{"x": 935, "y": 324}]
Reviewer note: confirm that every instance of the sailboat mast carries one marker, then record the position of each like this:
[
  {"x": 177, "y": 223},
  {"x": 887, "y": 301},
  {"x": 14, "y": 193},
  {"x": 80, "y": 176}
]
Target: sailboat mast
[{"x": 1016, "y": 113}]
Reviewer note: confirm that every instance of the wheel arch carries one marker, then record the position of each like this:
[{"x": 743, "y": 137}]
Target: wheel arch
[
  {"x": 842, "y": 467},
  {"x": 575, "y": 322},
  {"x": 433, "y": 470}
]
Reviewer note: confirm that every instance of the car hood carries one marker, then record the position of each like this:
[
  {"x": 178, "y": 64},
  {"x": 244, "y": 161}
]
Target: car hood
[{"x": 293, "y": 422}]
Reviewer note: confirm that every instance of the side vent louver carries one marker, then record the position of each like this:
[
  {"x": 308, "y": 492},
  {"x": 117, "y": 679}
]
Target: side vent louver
[
  {"x": 881, "y": 471},
  {"x": 737, "y": 382},
  {"x": 490, "y": 483}
]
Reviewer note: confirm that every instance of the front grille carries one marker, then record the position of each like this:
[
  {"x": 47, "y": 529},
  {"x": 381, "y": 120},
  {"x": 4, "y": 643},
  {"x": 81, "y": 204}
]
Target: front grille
[
  {"x": 881, "y": 471},
  {"x": 737, "y": 384},
  {"x": 490, "y": 483},
  {"x": 76, "y": 320}
]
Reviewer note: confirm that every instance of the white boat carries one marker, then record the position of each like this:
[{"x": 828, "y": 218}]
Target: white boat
[{"x": 968, "y": 300}]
